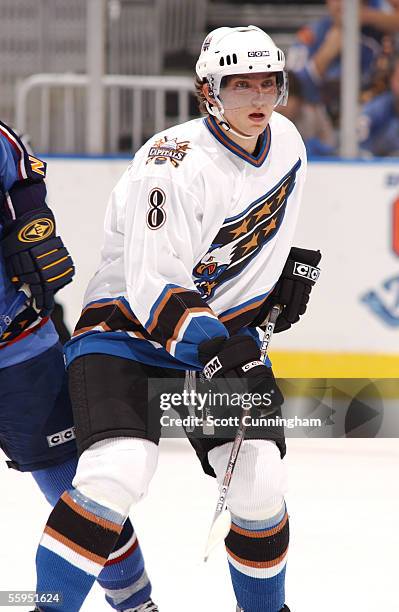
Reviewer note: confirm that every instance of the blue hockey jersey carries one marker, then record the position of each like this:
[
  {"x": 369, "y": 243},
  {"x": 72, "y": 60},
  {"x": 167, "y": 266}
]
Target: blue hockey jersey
[{"x": 36, "y": 336}]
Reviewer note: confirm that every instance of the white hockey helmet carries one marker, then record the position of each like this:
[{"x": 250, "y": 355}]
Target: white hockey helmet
[{"x": 243, "y": 50}]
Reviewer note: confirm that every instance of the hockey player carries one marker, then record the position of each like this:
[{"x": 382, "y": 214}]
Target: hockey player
[
  {"x": 198, "y": 237},
  {"x": 30, "y": 358},
  {"x": 36, "y": 424}
]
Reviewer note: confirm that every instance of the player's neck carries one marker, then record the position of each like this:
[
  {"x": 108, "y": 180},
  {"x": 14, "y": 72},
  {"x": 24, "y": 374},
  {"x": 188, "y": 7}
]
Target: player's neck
[{"x": 249, "y": 145}]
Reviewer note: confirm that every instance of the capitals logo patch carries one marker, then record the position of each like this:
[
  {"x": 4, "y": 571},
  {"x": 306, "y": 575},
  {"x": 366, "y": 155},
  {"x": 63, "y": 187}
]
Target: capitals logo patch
[
  {"x": 242, "y": 237},
  {"x": 172, "y": 150}
]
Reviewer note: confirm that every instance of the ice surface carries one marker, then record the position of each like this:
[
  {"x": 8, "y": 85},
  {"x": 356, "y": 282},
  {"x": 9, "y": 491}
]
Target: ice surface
[{"x": 343, "y": 504}]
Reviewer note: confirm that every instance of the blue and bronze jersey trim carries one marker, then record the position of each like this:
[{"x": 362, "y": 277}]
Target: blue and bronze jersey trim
[
  {"x": 223, "y": 138},
  {"x": 109, "y": 315},
  {"x": 179, "y": 320},
  {"x": 180, "y": 312}
]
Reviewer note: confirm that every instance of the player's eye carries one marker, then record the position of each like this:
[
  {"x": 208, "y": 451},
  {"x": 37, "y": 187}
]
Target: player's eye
[
  {"x": 241, "y": 84},
  {"x": 269, "y": 84}
]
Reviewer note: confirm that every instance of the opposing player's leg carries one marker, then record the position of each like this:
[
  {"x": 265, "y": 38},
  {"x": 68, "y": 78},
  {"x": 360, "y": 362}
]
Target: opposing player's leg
[
  {"x": 37, "y": 435},
  {"x": 257, "y": 544},
  {"x": 118, "y": 458},
  {"x": 123, "y": 577}
]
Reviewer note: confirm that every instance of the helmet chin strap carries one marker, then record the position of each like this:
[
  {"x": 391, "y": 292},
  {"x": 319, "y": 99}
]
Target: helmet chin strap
[{"x": 219, "y": 114}]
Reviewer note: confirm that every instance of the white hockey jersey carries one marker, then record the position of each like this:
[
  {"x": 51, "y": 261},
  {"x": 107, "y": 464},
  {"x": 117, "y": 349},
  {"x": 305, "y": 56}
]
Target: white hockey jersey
[{"x": 197, "y": 232}]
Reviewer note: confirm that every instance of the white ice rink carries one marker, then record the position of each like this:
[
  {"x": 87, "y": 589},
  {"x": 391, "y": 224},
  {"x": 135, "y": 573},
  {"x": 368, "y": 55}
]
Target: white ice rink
[{"x": 344, "y": 508}]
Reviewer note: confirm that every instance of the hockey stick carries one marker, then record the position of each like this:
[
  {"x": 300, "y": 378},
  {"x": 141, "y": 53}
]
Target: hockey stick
[
  {"x": 221, "y": 523},
  {"x": 7, "y": 317}
]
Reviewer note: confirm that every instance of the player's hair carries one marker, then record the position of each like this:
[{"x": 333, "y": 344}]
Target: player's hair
[{"x": 200, "y": 96}]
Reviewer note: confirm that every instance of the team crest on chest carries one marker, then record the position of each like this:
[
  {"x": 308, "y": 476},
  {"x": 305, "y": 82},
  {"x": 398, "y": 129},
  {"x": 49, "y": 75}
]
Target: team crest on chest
[
  {"x": 164, "y": 150},
  {"x": 242, "y": 237}
]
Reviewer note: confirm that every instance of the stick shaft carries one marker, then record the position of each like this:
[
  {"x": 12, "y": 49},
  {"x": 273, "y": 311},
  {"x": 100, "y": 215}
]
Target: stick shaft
[{"x": 238, "y": 440}]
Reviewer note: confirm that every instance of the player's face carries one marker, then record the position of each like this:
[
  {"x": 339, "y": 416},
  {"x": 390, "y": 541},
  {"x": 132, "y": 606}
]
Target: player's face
[{"x": 248, "y": 101}]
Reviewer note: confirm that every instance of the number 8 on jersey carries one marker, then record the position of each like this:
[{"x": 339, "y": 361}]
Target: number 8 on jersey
[{"x": 156, "y": 216}]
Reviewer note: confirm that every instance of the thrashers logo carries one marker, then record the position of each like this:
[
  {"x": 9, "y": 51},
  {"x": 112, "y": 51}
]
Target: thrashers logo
[
  {"x": 242, "y": 237},
  {"x": 37, "y": 165},
  {"x": 164, "y": 150}
]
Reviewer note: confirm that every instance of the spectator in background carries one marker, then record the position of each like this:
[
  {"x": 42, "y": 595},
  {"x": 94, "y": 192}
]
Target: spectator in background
[
  {"x": 380, "y": 80},
  {"x": 311, "y": 120},
  {"x": 379, "y": 121},
  {"x": 379, "y": 17},
  {"x": 316, "y": 57}
]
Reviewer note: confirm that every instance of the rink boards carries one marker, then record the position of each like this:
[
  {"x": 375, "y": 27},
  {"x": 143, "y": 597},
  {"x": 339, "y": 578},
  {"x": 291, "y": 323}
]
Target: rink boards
[{"x": 350, "y": 212}]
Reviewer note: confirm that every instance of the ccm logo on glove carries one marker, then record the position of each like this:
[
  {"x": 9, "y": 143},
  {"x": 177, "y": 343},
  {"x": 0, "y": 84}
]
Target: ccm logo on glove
[
  {"x": 252, "y": 364},
  {"x": 305, "y": 271},
  {"x": 212, "y": 367},
  {"x": 292, "y": 290}
]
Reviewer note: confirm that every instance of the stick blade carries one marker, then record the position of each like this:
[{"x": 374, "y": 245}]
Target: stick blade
[{"x": 218, "y": 532}]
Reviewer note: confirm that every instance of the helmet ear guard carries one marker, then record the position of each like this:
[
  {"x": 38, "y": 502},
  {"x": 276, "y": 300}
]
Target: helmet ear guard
[{"x": 283, "y": 88}]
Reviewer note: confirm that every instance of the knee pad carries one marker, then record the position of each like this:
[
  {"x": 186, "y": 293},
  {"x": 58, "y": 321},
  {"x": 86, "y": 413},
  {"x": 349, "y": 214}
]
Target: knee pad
[
  {"x": 259, "y": 483},
  {"x": 117, "y": 472}
]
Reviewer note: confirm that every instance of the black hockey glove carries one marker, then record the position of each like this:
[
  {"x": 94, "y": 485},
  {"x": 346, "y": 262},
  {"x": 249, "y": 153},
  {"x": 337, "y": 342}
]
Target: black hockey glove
[
  {"x": 238, "y": 358},
  {"x": 292, "y": 290},
  {"x": 36, "y": 256}
]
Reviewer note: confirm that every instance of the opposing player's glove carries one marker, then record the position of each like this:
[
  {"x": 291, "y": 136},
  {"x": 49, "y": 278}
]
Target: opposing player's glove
[
  {"x": 292, "y": 290},
  {"x": 36, "y": 256},
  {"x": 238, "y": 358}
]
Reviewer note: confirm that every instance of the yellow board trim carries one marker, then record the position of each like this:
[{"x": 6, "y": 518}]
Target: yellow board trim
[{"x": 300, "y": 364}]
